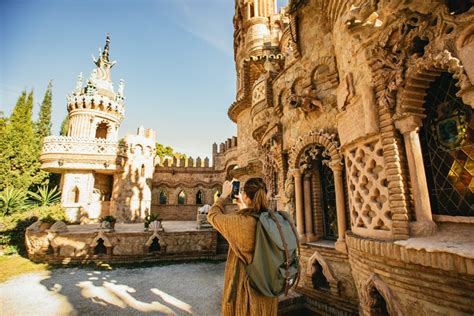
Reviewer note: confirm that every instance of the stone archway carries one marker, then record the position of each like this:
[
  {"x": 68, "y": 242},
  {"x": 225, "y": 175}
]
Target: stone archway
[
  {"x": 321, "y": 137},
  {"x": 105, "y": 242},
  {"x": 375, "y": 294},
  {"x": 329, "y": 144},
  {"x": 326, "y": 271},
  {"x": 410, "y": 112},
  {"x": 411, "y": 98}
]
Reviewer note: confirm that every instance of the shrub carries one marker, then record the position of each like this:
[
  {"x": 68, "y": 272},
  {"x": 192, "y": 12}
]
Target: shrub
[
  {"x": 12, "y": 200},
  {"x": 15, "y": 225},
  {"x": 45, "y": 196},
  {"x": 151, "y": 218},
  {"x": 108, "y": 218}
]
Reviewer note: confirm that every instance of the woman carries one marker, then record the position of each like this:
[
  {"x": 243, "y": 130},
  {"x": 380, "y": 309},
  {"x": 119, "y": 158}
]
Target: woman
[{"x": 239, "y": 298}]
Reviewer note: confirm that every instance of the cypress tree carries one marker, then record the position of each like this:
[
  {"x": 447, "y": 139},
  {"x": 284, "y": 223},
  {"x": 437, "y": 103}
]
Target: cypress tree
[
  {"x": 44, "y": 120},
  {"x": 64, "y": 126},
  {"x": 20, "y": 166}
]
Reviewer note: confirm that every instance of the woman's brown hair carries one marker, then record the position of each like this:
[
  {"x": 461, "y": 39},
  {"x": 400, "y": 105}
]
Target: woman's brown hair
[{"x": 256, "y": 190}]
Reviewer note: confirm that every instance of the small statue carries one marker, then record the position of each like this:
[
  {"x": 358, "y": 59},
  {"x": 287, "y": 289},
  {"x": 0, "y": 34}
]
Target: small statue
[
  {"x": 79, "y": 83},
  {"x": 121, "y": 87},
  {"x": 289, "y": 197}
]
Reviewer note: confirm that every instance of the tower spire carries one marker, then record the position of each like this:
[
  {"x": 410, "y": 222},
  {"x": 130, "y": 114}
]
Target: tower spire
[{"x": 105, "y": 54}]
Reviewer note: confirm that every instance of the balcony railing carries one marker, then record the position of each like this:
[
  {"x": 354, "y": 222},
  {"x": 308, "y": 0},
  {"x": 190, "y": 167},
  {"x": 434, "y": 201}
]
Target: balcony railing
[{"x": 81, "y": 145}]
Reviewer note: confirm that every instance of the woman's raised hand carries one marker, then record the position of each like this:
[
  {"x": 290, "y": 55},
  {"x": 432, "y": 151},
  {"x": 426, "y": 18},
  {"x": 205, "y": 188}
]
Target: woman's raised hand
[{"x": 226, "y": 189}]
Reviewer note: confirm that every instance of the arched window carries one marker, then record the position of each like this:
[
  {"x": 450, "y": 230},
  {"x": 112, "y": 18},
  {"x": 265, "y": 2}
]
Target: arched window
[
  {"x": 155, "y": 245},
  {"x": 182, "y": 198},
  {"x": 100, "y": 249},
  {"x": 318, "y": 279},
  {"x": 142, "y": 171},
  {"x": 329, "y": 201},
  {"x": 318, "y": 188},
  {"x": 446, "y": 138},
  {"x": 163, "y": 197},
  {"x": 217, "y": 194},
  {"x": 101, "y": 131},
  {"x": 74, "y": 195},
  {"x": 199, "y": 197}
]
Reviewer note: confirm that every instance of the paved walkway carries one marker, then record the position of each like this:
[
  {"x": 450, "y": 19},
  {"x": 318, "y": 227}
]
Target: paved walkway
[{"x": 179, "y": 289}]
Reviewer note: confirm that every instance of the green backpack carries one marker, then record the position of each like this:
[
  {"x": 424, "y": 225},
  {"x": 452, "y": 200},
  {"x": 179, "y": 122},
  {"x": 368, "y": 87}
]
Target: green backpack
[{"x": 275, "y": 266}]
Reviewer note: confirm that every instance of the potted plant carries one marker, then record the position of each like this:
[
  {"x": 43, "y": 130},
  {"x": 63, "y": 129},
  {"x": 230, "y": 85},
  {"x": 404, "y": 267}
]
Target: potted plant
[
  {"x": 108, "y": 222},
  {"x": 151, "y": 218}
]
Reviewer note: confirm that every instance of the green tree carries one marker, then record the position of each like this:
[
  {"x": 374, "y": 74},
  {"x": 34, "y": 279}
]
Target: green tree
[
  {"x": 163, "y": 151},
  {"x": 19, "y": 164},
  {"x": 64, "y": 126},
  {"x": 44, "y": 120}
]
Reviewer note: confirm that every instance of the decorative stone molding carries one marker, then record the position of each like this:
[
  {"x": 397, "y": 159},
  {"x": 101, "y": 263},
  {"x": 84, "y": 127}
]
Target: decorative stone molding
[
  {"x": 321, "y": 137},
  {"x": 160, "y": 240},
  {"x": 411, "y": 98},
  {"x": 327, "y": 271},
  {"x": 100, "y": 235},
  {"x": 368, "y": 301},
  {"x": 96, "y": 102},
  {"x": 81, "y": 145},
  {"x": 370, "y": 211}
]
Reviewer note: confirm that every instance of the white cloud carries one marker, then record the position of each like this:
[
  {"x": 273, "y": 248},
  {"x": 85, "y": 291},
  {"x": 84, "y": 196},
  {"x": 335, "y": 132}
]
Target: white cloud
[{"x": 208, "y": 21}]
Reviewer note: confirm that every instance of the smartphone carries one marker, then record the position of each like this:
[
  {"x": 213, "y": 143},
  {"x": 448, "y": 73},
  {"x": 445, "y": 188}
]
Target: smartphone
[{"x": 235, "y": 189}]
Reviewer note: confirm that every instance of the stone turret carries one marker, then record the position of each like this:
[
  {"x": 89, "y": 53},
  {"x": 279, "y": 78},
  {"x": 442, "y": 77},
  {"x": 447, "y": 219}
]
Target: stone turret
[{"x": 96, "y": 110}]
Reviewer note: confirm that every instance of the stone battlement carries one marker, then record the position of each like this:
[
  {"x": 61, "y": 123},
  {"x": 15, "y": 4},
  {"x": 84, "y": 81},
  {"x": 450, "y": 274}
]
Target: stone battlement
[
  {"x": 230, "y": 143},
  {"x": 183, "y": 163}
]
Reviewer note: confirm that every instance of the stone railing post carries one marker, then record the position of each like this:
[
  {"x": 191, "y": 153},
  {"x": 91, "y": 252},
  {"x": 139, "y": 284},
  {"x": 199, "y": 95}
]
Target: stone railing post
[{"x": 424, "y": 225}]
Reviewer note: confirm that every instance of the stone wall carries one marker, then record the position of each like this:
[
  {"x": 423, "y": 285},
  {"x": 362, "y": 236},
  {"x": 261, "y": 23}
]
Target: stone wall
[{"x": 78, "y": 247}]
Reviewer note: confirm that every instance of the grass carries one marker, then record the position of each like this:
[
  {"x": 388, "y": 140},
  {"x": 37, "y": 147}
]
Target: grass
[{"x": 11, "y": 266}]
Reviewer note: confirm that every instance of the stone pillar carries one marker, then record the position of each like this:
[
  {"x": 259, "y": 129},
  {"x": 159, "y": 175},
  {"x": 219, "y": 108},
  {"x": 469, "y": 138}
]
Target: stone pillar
[
  {"x": 255, "y": 6},
  {"x": 299, "y": 205},
  {"x": 336, "y": 167},
  {"x": 424, "y": 225},
  {"x": 308, "y": 212}
]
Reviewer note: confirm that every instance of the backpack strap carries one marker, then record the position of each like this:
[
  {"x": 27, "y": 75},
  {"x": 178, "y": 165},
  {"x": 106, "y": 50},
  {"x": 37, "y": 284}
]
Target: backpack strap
[
  {"x": 287, "y": 253},
  {"x": 292, "y": 225}
]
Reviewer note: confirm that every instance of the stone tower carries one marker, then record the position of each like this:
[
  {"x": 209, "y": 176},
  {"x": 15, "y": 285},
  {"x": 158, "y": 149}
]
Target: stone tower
[
  {"x": 257, "y": 33},
  {"x": 96, "y": 110},
  {"x": 89, "y": 158}
]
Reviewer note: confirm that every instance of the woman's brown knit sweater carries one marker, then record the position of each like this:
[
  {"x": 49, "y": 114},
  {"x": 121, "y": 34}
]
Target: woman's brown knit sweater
[{"x": 239, "y": 230}]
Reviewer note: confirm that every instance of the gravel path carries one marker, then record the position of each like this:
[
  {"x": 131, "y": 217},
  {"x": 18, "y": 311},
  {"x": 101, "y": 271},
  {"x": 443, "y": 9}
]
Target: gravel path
[{"x": 179, "y": 289}]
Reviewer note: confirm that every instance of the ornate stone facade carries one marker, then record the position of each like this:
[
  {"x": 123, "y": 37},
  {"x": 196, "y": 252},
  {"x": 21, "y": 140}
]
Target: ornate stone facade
[
  {"x": 358, "y": 114},
  {"x": 344, "y": 108}
]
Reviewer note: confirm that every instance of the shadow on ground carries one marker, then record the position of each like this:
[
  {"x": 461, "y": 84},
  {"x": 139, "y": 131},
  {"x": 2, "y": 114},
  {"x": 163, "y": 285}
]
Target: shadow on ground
[{"x": 178, "y": 289}]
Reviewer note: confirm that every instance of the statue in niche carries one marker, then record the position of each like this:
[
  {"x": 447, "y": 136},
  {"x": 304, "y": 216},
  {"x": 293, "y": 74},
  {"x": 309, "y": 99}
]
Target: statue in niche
[
  {"x": 289, "y": 197},
  {"x": 308, "y": 100}
]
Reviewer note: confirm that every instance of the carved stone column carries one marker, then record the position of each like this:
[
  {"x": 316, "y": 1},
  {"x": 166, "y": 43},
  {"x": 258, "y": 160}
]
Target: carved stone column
[
  {"x": 424, "y": 224},
  {"x": 299, "y": 205},
  {"x": 336, "y": 167},
  {"x": 308, "y": 212}
]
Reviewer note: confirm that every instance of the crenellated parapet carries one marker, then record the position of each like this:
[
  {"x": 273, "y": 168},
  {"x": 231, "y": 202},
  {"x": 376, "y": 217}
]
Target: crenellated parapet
[
  {"x": 189, "y": 163},
  {"x": 111, "y": 106}
]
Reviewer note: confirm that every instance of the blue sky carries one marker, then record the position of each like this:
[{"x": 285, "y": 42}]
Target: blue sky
[{"x": 176, "y": 57}]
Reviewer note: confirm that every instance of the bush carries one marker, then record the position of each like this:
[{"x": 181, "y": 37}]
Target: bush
[
  {"x": 151, "y": 218},
  {"x": 12, "y": 200},
  {"x": 15, "y": 225},
  {"x": 108, "y": 218},
  {"x": 44, "y": 196}
]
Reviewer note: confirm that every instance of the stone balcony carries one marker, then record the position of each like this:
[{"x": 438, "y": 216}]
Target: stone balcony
[{"x": 61, "y": 153}]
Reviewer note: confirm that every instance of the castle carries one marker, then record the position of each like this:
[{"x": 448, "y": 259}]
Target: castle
[{"x": 358, "y": 114}]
